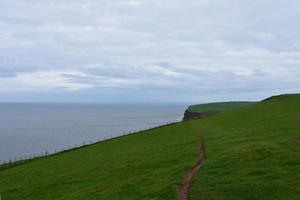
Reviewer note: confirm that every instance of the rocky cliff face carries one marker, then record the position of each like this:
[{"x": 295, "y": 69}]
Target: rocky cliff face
[{"x": 188, "y": 115}]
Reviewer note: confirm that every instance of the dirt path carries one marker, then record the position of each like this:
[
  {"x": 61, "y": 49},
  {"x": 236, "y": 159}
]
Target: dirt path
[{"x": 184, "y": 186}]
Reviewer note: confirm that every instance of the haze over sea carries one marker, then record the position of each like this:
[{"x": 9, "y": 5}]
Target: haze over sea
[{"x": 35, "y": 128}]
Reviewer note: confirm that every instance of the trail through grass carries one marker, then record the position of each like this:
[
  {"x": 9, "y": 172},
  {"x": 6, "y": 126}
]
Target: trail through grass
[
  {"x": 251, "y": 153},
  {"x": 148, "y": 165}
]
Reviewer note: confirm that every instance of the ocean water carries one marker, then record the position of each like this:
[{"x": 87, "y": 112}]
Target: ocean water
[{"x": 35, "y": 128}]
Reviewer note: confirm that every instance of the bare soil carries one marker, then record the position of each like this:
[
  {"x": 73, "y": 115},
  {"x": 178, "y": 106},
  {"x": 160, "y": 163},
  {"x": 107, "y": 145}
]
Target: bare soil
[{"x": 184, "y": 186}]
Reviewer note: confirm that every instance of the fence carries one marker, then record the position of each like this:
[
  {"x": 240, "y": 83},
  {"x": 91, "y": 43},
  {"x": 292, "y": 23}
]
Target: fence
[{"x": 35, "y": 156}]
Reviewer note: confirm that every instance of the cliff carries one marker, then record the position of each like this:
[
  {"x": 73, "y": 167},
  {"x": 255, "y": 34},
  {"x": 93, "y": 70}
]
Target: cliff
[{"x": 189, "y": 115}]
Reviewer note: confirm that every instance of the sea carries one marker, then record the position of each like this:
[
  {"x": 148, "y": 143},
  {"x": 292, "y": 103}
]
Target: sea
[{"x": 28, "y": 129}]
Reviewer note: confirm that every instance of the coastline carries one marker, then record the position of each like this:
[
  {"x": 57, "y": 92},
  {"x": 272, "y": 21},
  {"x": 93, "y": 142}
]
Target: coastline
[{"x": 12, "y": 163}]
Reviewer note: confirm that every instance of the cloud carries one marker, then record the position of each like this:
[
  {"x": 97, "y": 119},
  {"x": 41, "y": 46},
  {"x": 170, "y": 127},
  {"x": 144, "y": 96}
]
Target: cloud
[
  {"x": 42, "y": 80},
  {"x": 147, "y": 46}
]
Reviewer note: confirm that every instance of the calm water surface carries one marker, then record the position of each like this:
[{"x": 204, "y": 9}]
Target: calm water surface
[{"x": 35, "y": 128}]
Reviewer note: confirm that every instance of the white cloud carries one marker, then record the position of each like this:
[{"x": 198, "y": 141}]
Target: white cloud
[
  {"x": 42, "y": 80},
  {"x": 149, "y": 45}
]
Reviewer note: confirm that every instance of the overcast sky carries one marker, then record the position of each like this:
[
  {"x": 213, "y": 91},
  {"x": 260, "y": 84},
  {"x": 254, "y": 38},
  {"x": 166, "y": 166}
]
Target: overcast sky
[{"x": 148, "y": 50}]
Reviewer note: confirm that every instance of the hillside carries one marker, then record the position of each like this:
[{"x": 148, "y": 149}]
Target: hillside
[
  {"x": 251, "y": 153},
  {"x": 219, "y": 106},
  {"x": 207, "y": 109},
  {"x": 146, "y": 165}
]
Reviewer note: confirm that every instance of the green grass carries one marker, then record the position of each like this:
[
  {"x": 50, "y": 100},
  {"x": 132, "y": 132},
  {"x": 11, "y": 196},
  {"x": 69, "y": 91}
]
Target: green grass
[
  {"x": 252, "y": 153},
  {"x": 147, "y": 165},
  {"x": 219, "y": 107}
]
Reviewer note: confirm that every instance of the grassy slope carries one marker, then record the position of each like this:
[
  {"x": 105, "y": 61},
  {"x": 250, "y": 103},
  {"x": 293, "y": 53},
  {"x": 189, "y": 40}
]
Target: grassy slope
[
  {"x": 143, "y": 166},
  {"x": 252, "y": 153},
  {"x": 219, "y": 107}
]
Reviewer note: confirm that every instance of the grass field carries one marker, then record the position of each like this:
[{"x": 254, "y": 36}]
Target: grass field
[
  {"x": 219, "y": 107},
  {"x": 252, "y": 153},
  {"x": 148, "y": 165}
]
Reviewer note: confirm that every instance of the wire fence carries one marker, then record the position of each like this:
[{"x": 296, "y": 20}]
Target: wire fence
[{"x": 34, "y": 156}]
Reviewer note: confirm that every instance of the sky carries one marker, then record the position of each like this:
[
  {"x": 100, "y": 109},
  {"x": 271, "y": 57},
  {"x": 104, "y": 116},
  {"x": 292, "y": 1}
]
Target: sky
[{"x": 148, "y": 51}]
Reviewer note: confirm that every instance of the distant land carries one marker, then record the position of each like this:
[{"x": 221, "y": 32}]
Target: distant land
[
  {"x": 245, "y": 150},
  {"x": 204, "y": 110}
]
